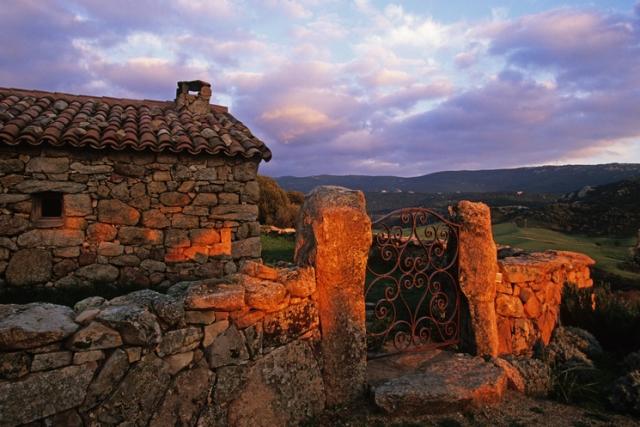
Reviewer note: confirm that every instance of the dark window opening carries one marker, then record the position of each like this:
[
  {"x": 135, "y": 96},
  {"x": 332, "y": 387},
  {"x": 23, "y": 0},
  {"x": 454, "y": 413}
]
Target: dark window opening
[
  {"x": 51, "y": 205},
  {"x": 48, "y": 209}
]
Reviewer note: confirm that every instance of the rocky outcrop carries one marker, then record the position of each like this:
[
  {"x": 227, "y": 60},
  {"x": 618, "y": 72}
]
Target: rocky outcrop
[
  {"x": 436, "y": 383},
  {"x": 573, "y": 345},
  {"x": 536, "y": 375},
  {"x": 625, "y": 395}
]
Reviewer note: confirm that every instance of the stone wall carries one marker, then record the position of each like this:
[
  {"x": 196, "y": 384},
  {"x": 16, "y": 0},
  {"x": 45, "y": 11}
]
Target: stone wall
[
  {"x": 242, "y": 350},
  {"x": 529, "y": 292},
  {"x": 131, "y": 218}
]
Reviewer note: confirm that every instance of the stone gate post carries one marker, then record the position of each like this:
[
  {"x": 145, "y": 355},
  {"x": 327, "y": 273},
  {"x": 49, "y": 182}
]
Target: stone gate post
[
  {"x": 478, "y": 269},
  {"x": 334, "y": 236}
]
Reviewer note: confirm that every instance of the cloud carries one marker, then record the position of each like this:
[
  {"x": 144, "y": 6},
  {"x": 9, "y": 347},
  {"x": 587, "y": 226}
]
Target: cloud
[
  {"x": 585, "y": 48},
  {"x": 146, "y": 77},
  {"x": 337, "y": 87},
  {"x": 37, "y": 49}
]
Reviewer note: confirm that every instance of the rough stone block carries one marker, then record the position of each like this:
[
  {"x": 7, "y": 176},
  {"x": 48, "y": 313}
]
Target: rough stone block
[
  {"x": 177, "y": 239},
  {"x": 95, "y": 336},
  {"x": 155, "y": 219},
  {"x": 87, "y": 356},
  {"x": 169, "y": 310},
  {"x": 185, "y": 221},
  {"x": 117, "y": 212},
  {"x": 34, "y": 325},
  {"x": 284, "y": 387},
  {"x": 11, "y": 166},
  {"x": 180, "y": 340},
  {"x": 509, "y": 306},
  {"x": 47, "y": 361},
  {"x": 43, "y": 394},
  {"x": 77, "y": 205},
  {"x": 249, "y": 248},
  {"x": 47, "y": 165},
  {"x": 286, "y": 325},
  {"x": 14, "y": 365},
  {"x": 98, "y": 273},
  {"x": 174, "y": 198},
  {"x": 204, "y": 236},
  {"x": 36, "y": 186},
  {"x": 227, "y": 349},
  {"x": 185, "y": 398},
  {"x": 29, "y": 267},
  {"x": 137, "y": 326},
  {"x": 212, "y": 294},
  {"x": 200, "y": 317},
  {"x": 262, "y": 294},
  {"x": 110, "y": 249},
  {"x": 140, "y": 236},
  {"x": 300, "y": 281},
  {"x": 245, "y": 171},
  {"x": 205, "y": 199},
  {"x": 261, "y": 271},
  {"x": 137, "y": 396},
  {"x": 55, "y": 238},
  {"x": 99, "y": 232},
  {"x": 212, "y": 331}
]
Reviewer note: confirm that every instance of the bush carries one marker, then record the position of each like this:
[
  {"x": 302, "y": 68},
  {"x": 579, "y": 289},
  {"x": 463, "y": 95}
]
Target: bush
[
  {"x": 276, "y": 206},
  {"x": 613, "y": 320}
]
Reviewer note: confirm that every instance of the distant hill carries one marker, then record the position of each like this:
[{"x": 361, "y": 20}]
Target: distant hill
[
  {"x": 610, "y": 209},
  {"x": 542, "y": 179}
]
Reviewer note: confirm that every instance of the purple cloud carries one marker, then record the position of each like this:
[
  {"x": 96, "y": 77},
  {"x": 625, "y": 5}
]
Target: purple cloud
[
  {"x": 329, "y": 95},
  {"x": 587, "y": 49}
]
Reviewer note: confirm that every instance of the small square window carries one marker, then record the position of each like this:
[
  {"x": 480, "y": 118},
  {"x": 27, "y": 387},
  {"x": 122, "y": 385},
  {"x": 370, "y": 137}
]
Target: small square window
[{"x": 48, "y": 209}]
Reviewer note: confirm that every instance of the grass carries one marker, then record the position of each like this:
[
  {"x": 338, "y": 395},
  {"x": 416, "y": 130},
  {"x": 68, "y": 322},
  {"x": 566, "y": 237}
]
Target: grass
[
  {"x": 277, "y": 248},
  {"x": 609, "y": 252}
]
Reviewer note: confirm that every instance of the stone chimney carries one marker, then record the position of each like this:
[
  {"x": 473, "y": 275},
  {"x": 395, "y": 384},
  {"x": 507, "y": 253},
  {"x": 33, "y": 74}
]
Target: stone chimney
[{"x": 196, "y": 103}]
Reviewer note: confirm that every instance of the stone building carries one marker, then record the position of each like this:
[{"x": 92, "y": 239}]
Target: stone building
[{"x": 99, "y": 191}]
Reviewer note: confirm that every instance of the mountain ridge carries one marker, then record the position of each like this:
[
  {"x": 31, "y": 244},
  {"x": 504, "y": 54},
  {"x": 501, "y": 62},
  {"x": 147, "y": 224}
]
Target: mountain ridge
[{"x": 539, "y": 179}]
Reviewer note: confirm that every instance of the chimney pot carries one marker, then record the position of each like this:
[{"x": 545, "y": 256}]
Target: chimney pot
[{"x": 196, "y": 104}]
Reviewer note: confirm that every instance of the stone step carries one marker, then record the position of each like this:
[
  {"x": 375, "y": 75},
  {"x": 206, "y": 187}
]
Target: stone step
[{"x": 435, "y": 382}]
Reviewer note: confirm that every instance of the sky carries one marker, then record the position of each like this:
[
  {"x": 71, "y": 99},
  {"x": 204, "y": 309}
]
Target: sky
[{"x": 360, "y": 86}]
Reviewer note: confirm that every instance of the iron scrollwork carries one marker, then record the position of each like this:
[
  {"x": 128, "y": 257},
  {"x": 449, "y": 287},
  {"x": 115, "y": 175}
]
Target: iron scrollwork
[{"x": 412, "y": 292}]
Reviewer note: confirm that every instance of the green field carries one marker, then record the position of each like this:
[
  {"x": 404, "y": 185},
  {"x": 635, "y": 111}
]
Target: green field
[
  {"x": 608, "y": 252},
  {"x": 277, "y": 248}
]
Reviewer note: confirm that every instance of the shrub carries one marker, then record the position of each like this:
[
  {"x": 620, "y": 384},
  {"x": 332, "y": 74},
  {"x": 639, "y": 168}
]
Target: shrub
[
  {"x": 613, "y": 320},
  {"x": 277, "y": 207}
]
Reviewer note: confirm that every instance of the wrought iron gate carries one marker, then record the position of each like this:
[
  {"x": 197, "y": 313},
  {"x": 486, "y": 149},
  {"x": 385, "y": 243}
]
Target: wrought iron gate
[{"x": 412, "y": 292}]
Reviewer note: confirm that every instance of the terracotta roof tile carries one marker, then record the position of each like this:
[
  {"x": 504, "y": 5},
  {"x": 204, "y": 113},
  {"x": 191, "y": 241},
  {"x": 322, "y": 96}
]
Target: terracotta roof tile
[{"x": 36, "y": 117}]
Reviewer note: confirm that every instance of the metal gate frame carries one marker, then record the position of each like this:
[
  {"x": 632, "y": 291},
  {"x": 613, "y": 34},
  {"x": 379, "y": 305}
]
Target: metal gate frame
[{"x": 424, "y": 262}]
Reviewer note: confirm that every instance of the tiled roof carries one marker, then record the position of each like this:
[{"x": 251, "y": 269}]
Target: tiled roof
[{"x": 36, "y": 117}]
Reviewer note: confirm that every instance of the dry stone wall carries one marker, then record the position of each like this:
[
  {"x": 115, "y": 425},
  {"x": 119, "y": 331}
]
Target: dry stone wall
[
  {"x": 240, "y": 351},
  {"x": 529, "y": 292},
  {"x": 130, "y": 218}
]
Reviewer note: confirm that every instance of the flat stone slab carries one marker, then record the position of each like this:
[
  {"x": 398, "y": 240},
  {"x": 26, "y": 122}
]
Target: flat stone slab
[
  {"x": 435, "y": 382},
  {"x": 34, "y": 325}
]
